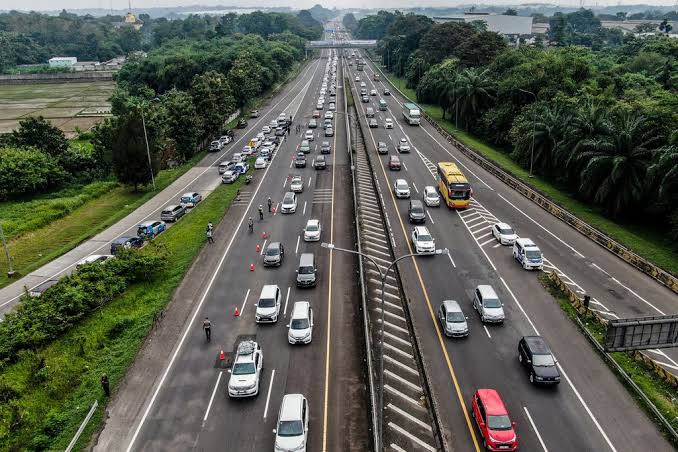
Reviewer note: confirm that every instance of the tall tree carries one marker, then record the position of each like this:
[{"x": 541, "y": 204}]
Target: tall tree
[
  {"x": 184, "y": 125},
  {"x": 39, "y": 133},
  {"x": 476, "y": 90},
  {"x": 130, "y": 159},
  {"x": 213, "y": 99}
]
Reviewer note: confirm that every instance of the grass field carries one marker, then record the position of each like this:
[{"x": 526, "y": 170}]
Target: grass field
[
  {"x": 51, "y": 407},
  {"x": 49, "y": 226},
  {"x": 66, "y": 105},
  {"x": 645, "y": 240}
]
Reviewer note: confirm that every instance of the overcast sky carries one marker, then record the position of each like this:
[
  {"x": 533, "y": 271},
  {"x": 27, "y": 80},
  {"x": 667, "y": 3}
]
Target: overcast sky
[{"x": 122, "y": 4}]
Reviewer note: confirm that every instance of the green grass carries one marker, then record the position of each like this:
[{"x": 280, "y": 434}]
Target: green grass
[
  {"x": 51, "y": 225},
  {"x": 645, "y": 240},
  {"x": 662, "y": 394},
  {"x": 105, "y": 342}
]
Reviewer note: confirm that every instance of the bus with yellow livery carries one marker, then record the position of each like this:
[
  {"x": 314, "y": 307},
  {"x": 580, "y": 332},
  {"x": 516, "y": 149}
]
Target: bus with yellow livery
[{"x": 453, "y": 186}]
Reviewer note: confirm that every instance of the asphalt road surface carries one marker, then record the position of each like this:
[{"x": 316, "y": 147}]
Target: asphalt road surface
[
  {"x": 190, "y": 407},
  {"x": 590, "y": 410}
]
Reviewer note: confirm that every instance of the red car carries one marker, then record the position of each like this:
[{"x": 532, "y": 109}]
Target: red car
[{"x": 493, "y": 421}]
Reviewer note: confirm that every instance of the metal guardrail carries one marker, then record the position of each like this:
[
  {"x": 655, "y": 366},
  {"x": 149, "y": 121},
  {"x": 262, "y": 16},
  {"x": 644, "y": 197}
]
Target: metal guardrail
[
  {"x": 660, "y": 275},
  {"x": 75, "y": 439}
]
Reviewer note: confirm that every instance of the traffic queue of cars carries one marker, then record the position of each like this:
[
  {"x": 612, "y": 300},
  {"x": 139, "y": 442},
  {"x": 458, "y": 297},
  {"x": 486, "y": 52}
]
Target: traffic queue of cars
[
  {"x": 291, "y": 433},
  {"x": 534, "y": 354}
]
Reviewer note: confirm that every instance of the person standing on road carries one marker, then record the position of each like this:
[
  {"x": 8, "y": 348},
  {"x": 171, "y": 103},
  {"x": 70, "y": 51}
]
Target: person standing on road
[
  {"x": 207, "y": 326},
  {"x": 105, "y": 385},
  {"x": 209, "y": 236},
  {"x": 261, "y": 212},
  {"x": 210, "y": 226},
  {"x": 269, "y": 204}
]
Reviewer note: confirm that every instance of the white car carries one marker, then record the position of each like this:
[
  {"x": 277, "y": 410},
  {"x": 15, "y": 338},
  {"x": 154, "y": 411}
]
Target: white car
[
  {"x": 504, "y": 233},
  {"x": 225, "y": 139},
  {"x": 423, "y": 241},
  {"x": 388, "y": 123},
  {"x": 332, "y": 106},
  {"x": 357, "y": 78},
  {"x": 238, "y": 157},
  {"x": 266, "y": 129},
  {"x": 246, "y": 370},
  {"x": 329, "y": 115},
  {"x": 190, "y": 199},
  {"x": 268, "y": 306},
  {"x": 401, "y": 188},
  {"x": 269, "y": 144},
  {"x": 230, "y": 176},
  {"x": 291, "y": 432},
  {"x": 289, "y": 203},
  {"x": 312, "y": 231},
  {"x": 297, "y": 184},
  {"x": 308, "y": 135},
  {"x": 100, "y": 258},
  {"x": 300, "y": 328},
  {"x": 431, "y": 197},
  {"x": 403, "y": 145},
  {"x": 260, "y": 163}
]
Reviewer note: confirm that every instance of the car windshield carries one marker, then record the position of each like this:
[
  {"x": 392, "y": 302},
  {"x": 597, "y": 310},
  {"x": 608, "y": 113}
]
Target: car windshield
[
  {"x": 402, "y": 185},
  {"x": 299, "y": 324},
  {"x": 305, "y": 270},
  {"x": 543, "y": 360},
  {"x": 424, "y": 238},
  {"x": 417, "y": 209},
  {"x": 266, "y": 303},
  {"x": 499, "y": 422},
  {"x": 312, "y": 227},
  {"x": 186, "y": 199},
  {"x": 141, "y": 230},
  {"x": 491, "y": 303},
  {"x": 288, "y": 200},
  {"x": 272, "y": 252},
  {"x": 456, "y": 317},
  {"x": 533, "y": 254},
  {"x": 290, "y": 428},
  {"x": 243, "y": 369},
  {"x": 296, "y": 181},
  {"x": 506, "y": 231}
]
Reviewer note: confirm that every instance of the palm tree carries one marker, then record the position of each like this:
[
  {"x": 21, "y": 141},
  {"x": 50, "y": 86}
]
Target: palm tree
[
  {"x": 550, "y": 125},
  {"x": 663, "y": 175},
  {"x": 615, "y": 166},
  {"x": 450, "y": 92},
  {"x": 476, "y": 88}
]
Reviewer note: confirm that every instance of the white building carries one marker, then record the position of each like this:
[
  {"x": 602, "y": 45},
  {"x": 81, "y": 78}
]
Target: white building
[
  {"x": 62, "y": 61},
  {"x": 499, "y": 23}
]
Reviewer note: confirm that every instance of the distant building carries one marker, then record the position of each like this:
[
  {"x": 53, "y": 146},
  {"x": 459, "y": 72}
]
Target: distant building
[
  {"x": 629, "y": 26},
  {"x": 130, "y": 21},
  {"x": 62, "y": 61},
  {"x": 499, "y": 23}
]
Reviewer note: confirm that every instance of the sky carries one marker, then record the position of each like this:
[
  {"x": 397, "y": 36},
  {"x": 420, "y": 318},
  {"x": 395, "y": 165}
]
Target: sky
[{"x": 297, "y": 4}]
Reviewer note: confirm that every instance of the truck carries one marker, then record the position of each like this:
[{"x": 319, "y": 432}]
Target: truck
[
  {"x": 360, "y": 64},
  {"x": 412, "y": 114}
]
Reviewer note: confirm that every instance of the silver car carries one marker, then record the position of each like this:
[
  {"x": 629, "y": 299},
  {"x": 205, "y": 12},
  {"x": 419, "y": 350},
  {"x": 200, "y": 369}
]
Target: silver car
[
  {"x": 488, "y": 305},
  {"x": 452, "y": 319}
]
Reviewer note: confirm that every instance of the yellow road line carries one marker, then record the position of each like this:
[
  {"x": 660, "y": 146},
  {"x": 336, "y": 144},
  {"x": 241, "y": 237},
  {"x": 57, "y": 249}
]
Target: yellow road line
[{"x": 448, "y": 361}]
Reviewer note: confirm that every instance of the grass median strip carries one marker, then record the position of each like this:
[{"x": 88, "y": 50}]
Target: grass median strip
[
  {"x": 51, "y": 226},
  {"x": 47, "y": 392},
  {"x": 662, "y": 394},
  {"x": 645, "y": 240}
]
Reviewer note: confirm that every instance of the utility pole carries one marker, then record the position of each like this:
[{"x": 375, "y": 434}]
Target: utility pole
[{"x": 10, "y": 272}]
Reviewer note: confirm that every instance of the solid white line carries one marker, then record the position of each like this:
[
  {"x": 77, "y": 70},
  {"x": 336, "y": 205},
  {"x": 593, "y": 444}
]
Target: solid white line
[
  {"x": 497, "y": 245},
  {"x": 309, "y": 182},
  {"x": 393, "y": 390},
  {"x": 534, "y": 427},
  {"x": 404, "y": 166},
  {"x": 244, "y": 302},
  {"x": 487, "y": 331},
  {"x": 304, "y": 211},
  {"x": 402, "y": 366},
  {"x": 285, "y": 182},
  {"x": 214, "y": 392},
  {"x": 268, "y": 397},
  {"x": 415, "y": 187},
  {"x": 430, "y": 217},
  {"x": 396, "y": 377},
  {"x": 397, "y": 448},
  {"x": 296, "y": 250},
  {"x": 263, "y": 247},
  {"x": 475, "y": 231},
  {"x": 449, "y": 255},
  {"x": 409, "y": 417},
  {"x": 412, "y": 437},
  {"x": 535, "y": 222},
  {"x": 639, "y": 297},
  {"x": 287, "y": 299},
  {"x": 486, "y": 242},
  {"x": 487, "y": 234},
  {"x": 188, "y": 328}
]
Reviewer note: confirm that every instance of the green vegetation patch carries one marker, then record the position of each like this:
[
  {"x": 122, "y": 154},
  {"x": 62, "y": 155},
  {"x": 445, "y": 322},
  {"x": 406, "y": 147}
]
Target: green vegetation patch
[{"x": 47, "y": 392}]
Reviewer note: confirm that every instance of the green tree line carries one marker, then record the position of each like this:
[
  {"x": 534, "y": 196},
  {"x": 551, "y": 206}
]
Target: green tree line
[{"x": 604, "y": 121}]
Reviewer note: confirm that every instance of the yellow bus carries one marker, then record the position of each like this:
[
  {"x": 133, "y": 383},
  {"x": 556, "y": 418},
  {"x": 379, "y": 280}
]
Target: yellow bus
[{"x": 453, "y": 186}]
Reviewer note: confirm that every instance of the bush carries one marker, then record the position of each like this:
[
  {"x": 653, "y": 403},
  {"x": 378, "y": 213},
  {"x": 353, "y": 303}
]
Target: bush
[
  {"x": 39, "y": 320},
  {"x": 27, "y": 171}
]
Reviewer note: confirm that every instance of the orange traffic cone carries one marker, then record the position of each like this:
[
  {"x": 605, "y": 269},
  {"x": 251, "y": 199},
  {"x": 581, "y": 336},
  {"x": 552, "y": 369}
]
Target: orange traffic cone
[
  {"x": 222, "y": 356},
  {"x": 251, "y": 267},
  {"x": 264, "y": 235},
  {"x": 236, "y": 313},
  {"x": 258, "y": 248}
]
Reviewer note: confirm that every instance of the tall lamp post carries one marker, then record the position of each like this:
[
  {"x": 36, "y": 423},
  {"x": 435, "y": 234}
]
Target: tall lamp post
[
  {"x": 382, "y": 277},
  {"x": 534, "y": 122},
  {"x": 148, "y": 150}
]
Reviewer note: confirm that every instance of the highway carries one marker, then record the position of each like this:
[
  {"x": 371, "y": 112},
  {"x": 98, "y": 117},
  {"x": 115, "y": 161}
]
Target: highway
[
  {"x": 202, "y": 178},
  {"x": 187, "y": 407},
  {"x": 590, "y": 410}
]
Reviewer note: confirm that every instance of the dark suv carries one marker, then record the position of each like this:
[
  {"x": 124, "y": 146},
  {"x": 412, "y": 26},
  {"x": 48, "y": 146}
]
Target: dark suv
[
  {"x": 416, "y": 211},
  {"x": 535, "y": 355}
]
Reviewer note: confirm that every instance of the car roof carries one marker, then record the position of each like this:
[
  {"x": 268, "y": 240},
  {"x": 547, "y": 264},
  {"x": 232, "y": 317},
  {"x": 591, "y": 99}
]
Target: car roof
[
  {"x": 171, "y": 207},
  {"x": 421, "y": 230},
  {"x": 487, "y": 291},
  {"x": 538, "y": 345},
  {"x": 452, "y": 306},
  {"x": 494, "y": 405},
  {"x": 320, "y": 158},
  {"x": 268, "y": 290},
  {"x": 400, "y": 181},
  {"x": 225, "y": 162},
  {"x": 300, "y": 309},
  {"x": 296, "y": 177},
  {"x": 429, "y": 188},
  {"x": 123, "y": 239},
  {"x": 289, "y": 194},
  {"x": 526, "y": 242},
  {"x": 274, "y": 245},
  {"x": 313, "y": 222},
  {"x": 416, "y": 203},
  {"x": 290, "y": 407},
  {"x": 394, "y": 157},
  {"x": 503, "y": 225},
  {"x": 189, "y": 194}
]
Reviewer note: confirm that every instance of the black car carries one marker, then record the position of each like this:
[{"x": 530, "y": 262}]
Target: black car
[
  {"x": 387, "y": 92},
  {"x": 242, "y": 123},
  {"x": 535, "y": 355},
  {"x": 416, "y": 211},
  {"x": 300, "y": 161},
  {"x": 274, "y": 255},
  {"x": 125, "y": 243},
  {"x": 320, "y": 162}
]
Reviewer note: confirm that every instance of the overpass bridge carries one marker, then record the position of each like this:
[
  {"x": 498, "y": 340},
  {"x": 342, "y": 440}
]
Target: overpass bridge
[{"x": 354, "y": 44}]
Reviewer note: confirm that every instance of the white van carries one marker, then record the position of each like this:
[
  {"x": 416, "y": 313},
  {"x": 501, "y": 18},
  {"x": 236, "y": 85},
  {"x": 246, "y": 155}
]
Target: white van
[
  {"x": 268, "y": 306},
  {"x": 528, "y": 254},
  {"x": 300, "y": 328}
]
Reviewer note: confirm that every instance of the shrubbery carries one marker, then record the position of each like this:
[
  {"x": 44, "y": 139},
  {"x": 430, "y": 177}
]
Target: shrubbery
[{"x": 39, "y": 320}]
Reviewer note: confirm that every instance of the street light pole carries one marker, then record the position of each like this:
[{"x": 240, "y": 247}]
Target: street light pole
[
  {"x": 534, "y": 122},
  {"x": 148, "y": 150},
  {"x": 382, "y": 277}
]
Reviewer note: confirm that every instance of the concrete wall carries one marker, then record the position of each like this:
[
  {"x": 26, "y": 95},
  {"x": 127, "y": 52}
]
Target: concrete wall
[{"x": 20, "y": 79}]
